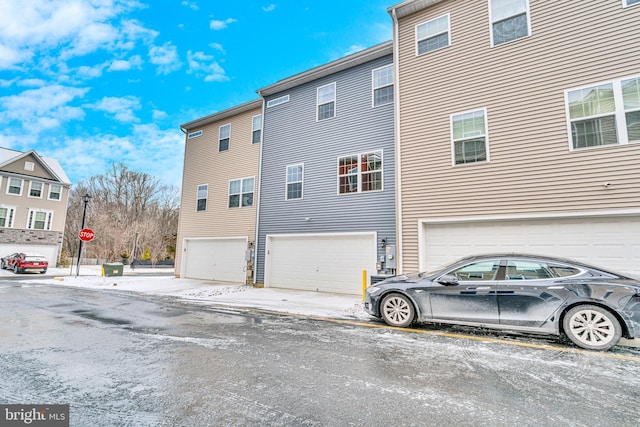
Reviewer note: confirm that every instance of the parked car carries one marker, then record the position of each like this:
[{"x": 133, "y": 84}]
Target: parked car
[
  {"x": 593, "y": 307},
  {"x": 20, "y": 262}
]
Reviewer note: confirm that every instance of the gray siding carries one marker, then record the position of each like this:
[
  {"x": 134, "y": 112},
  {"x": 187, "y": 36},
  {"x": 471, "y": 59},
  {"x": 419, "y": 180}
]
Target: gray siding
[{"x": 292, "y": 135}]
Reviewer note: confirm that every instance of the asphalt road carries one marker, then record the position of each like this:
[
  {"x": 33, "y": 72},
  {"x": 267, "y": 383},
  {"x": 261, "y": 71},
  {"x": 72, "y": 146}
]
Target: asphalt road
[{"x": 127, "y": 359}]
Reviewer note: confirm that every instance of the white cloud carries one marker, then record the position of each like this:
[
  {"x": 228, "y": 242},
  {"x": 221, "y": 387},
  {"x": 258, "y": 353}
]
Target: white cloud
[
  {"x": 269, "y": 8},
  {"x": 217, "y": 46},
  {"x": 354, "y": 49},
  {"x": 159, "y": 115},
  {"x": 165, "y": 57},
  {"x": 191, "y": 5},
  {"x": 125, "y": 65},
  {"x": 221, "y": 25},
  {"x": 204, "y": 66},
  {"x": 122, "y": 109}
]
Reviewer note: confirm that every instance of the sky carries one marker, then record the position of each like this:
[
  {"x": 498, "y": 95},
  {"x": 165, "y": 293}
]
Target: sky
[{"x": 96, "y": 82}]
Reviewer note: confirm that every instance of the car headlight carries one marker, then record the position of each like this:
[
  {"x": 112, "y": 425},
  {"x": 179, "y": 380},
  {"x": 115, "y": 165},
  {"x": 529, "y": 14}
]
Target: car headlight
[{"x": 373, "y": 290}]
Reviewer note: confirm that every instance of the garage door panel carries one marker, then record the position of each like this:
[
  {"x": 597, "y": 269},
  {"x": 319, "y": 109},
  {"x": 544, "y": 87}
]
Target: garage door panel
[{"x": 216, "y": 259}]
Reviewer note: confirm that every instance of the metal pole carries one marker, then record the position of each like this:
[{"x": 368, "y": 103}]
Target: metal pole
[
  {"x": 73, "y": 251},
  {"x": 85, "y": 199}
]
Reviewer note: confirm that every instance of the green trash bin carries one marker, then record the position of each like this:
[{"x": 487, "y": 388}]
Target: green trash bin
[{"x": 112, "y": 269}]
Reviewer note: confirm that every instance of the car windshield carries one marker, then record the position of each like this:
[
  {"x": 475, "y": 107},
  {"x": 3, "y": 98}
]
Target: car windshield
[{"x": 35, "y": 258}]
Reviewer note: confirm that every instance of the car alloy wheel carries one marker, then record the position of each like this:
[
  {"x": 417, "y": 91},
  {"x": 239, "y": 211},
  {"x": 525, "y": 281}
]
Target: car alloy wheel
[
  {"x": 592, "y": 327},
  {"x": 397, "y": 310}
]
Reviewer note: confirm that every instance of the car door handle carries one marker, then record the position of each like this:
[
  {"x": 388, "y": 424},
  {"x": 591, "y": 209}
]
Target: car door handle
[{"x": 482, "y": 288}]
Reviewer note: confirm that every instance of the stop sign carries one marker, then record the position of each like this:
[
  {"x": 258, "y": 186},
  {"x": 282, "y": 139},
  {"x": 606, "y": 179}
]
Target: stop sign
[{"x": 86, "y": 234}]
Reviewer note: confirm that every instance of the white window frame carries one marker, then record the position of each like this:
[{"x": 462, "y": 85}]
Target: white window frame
[
  {"x": 326, "y": 102},
  {"x": 31, "y": 219},
  {"x": 51, "y": 191},
  {"x": 195, "y": 134},
  {"x": 242, "y": 193},
  {"x": 435, "y": 34},
  {"x": 277, "y": 101},
  {"x": 485, "y": 135},
  {"x": 619, "y": 114},
  {"x": 374, "y": 87},
  {"x": 9, "y": 178},
  {"x": 255, "y": 129},
  {"x": 625, "y": 3},
  {"x": 11, "y": 216},
  {"x": 492, "y": 21},
  {"x": 359, "y": 173},
  {"x": 205, "y": 188},
  {"x": 31, "y": 184},
  {"x": 287, "y": 182},
  {"x": 29, "y": 166},
  {"x": 220, "y": 138}
]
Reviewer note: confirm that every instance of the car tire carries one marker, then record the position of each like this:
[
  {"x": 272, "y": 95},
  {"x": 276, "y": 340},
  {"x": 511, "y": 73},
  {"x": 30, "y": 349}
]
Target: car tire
[
  {"x": 43, "y": 271},
  {"x": 397, "y": 310},
  {"x": 15, "y": 269},
  {"x": 592, "y": 327}
]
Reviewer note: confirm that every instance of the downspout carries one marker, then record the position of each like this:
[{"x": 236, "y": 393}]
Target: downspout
[
  {"x": 255, "y": 240},
  {"x": 396, "y": 101},
  {"x": 180, "y": 246}
]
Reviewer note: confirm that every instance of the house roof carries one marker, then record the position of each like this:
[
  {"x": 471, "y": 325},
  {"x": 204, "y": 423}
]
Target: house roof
[
  {"x": 410, "y": 6},
  {"x": 52, "y": 166},
  {"x": 221, "y": 115},
  {"x": 344, "y": 63}
]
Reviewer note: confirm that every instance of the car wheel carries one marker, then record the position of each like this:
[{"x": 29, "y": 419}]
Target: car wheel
[
  {"x": 15, "y": 269},
  {"x": 43, "y": 271},
  {"x": 397, "y": 310},
  {"x": 592, "y": 327}
]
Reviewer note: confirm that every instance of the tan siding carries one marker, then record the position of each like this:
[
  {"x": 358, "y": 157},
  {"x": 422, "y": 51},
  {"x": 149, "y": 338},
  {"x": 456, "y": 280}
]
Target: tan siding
[
  {"x": 521, "y": 84},
  {"x": 203, "y": 164}
]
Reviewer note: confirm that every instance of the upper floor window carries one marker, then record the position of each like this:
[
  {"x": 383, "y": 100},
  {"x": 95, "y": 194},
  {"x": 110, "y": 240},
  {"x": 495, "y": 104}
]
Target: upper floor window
[
  {"x": 469, "y": 137},
  {"x": 224, "y": 136},
  {"x": 29, "y": 166},
  {"x": 35, "y": 189},
  {"x": 39, "y": 219},
  {"x": 383, "y": 85},
  {"x": 509, "y": 20},
  {"x": 604, "y": 114},
  {"x": 326, "y": 101},
  {"x": 201, "y": 198},
  {"x": 55, "y": 192},
  {"x": 277, "y": 101},
  {"x": 6, "y": 216},
  {"x": 14, "y": 186},
  {"x": 194, "y": 134},
  {"x": 256, "y": 128},
  {"x": 295, "y": 177},
  {"x": 241, "y": 192},
  {"x": 626, "y": 3},
  {"x": 432, "y": 35},
  {"x": 360, "y": 173}
]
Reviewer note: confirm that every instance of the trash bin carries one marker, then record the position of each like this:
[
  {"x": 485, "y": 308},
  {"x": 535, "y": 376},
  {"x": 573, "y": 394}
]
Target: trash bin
[{"x": 112, "y": 269}]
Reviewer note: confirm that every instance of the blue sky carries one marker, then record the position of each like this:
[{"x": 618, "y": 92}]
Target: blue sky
[{"x": 91, "y": 82}]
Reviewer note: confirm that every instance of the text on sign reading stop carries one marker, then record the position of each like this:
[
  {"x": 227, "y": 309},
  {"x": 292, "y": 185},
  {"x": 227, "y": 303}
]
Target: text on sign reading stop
[{"x": 86, "y": 234}]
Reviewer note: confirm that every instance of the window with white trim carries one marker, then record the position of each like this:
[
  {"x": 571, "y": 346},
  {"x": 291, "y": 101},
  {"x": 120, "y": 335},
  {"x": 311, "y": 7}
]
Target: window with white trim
[
  {"x": 201, "y": 197},
  {"x": 224, "y": 134},
  {"x": 382, "y": 85},
  {"x": 604, "y": 114},
  {"x": 39, "y": 219},
  {"x": 256, "y": 128},
  {"x": 510, "y": 20},
  {"x": 432, "y": 35},
  {"x": 469, "y": 137},
  {"x": 326, "y": 101},
  {"x": 14, "y": 186},
  {"x": 241, "y": 192},
  {"x": 360, "y": 173},
  {"x": 55, "y": 192},
  {"x": 626, "y": 3},
  {"x": 295, "y": 179},
  {"x": 29, "y": 166},
  {"x": 35, "y": 189},
  {"x": 194, "y": 134},
  {"x": 277, "y": 101},
  {"x": 7, "y": 213}
]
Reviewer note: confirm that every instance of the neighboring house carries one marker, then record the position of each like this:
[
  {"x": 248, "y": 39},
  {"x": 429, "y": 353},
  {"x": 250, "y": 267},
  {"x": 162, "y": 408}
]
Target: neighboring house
[
  {"x": 33, "y": 204},
  {"x": 327, "y": 192},
  {"x": 219, "y": 185},
  {"x": 518, "y": 129}
]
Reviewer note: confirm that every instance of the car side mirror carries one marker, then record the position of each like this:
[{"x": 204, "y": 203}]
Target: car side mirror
[{"x": 448, "y": 280}]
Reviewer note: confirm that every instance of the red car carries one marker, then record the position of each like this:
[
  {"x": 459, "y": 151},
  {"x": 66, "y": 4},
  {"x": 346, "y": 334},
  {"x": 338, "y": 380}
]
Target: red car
[{"x": 20, "y": 262}]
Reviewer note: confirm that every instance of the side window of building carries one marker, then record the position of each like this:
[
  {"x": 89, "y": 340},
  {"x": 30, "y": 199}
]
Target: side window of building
[
  {"x": 224, "y": 134},
  {"x": 55, "y": 192},
  {"x": 382, "y": 85},
  {"x": 626, "y": 3},
  {"x": 326, "y": 101},
  {"x": 510, "y": 20},
  {"x": 7, "y": 214},
  {"x": 201, "y": 198},
  {"x": 360, "y": 173},
  {"x": 39, "y": 219},
  {"x": 432, "y": 35},
  {"x": 241, "y": 192},
  {"x": 295, "y": 179},
  {"x": 256, "y": 129},
  {"x": 469, "y": 137},
  {"x": 14, "y": 186},
  {"x": 35, "y": 189}
]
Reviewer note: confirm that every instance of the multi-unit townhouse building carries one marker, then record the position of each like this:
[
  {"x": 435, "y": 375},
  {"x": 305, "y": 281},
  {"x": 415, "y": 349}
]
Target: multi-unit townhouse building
[
  {"x": 33, "y": 204},
  {"x": 518, "y": 129}
]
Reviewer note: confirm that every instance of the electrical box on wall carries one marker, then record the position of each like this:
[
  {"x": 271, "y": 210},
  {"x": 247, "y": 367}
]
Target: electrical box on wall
[{"x": 390, "y": 251}]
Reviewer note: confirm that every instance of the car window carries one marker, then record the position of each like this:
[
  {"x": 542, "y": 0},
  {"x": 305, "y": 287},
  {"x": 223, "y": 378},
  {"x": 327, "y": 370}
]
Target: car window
[
  {"x": 528, "y": 270},
  {"x": 482, "y": 270},
  {"x": 563, "y": 270}
]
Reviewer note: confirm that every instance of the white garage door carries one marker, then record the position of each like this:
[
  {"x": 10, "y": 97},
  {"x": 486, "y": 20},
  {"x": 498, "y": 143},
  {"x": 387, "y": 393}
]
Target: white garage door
[
  {"x": 320, "y": 262},
  {"x": 215, "y": 259},
  {"x": 611, "y": 242},
  {"x": 50, "y": 252}
]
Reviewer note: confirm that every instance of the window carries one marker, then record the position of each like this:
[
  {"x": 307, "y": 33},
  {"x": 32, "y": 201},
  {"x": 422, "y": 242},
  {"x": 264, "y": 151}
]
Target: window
[
  {"x": 469, "y": 135},
  {"x": 6, "y": 216},
  {"x": 14, "y": 186},
  {"x": 39, "y": 220},
  {"x": 432, "y": 35},
  {"x": 194, "y": 134},
  {"x": 29, "y": 166},
  {"x": 383, "y": 85},
  {"x": 626, "y": 3},
  {"x": 604, "y": 114},
  {"x": 509, "y": 20},
  {"x": 326, "y": 101},
  {"x": 55, "y": 192},
  {"x": 35, "y": 189},
  {"x": 360, "y": 173},
  {"x": 256, "y": 129},
  {"x": 241, "y": 192},
  {"x": 295, "y": 176},
  {"x": 224, "y": 135},
  {"x": 482, "y": 270},
  {"x": 201, "y": 199},
  {"x": 277, "y": 101}
]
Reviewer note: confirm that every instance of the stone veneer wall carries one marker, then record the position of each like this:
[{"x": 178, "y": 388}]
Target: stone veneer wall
[{"x": 30, "y": 237}]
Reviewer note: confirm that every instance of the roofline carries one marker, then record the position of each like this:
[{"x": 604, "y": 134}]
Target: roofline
[
  {"x": 410, "y": 6},
  {"x": 41, "y": 160},
  {"x": 220, "y": 115},
  {"x": 332, "y": 67}
]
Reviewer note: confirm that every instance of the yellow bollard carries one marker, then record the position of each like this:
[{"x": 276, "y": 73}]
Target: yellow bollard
[{"x": 364, "y": 283}]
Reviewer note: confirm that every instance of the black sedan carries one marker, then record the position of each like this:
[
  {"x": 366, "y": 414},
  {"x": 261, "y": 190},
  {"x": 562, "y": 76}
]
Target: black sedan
[{"x": 593, "y": 307}]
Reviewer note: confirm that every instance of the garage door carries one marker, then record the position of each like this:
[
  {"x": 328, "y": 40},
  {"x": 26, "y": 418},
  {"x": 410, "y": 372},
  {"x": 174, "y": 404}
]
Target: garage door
[
  {"x": 611, "y": 242},
  {"x": 48, "y": 251},
  {"x": 215, "y": 259},
  {"x": 320, "y": 262}
]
